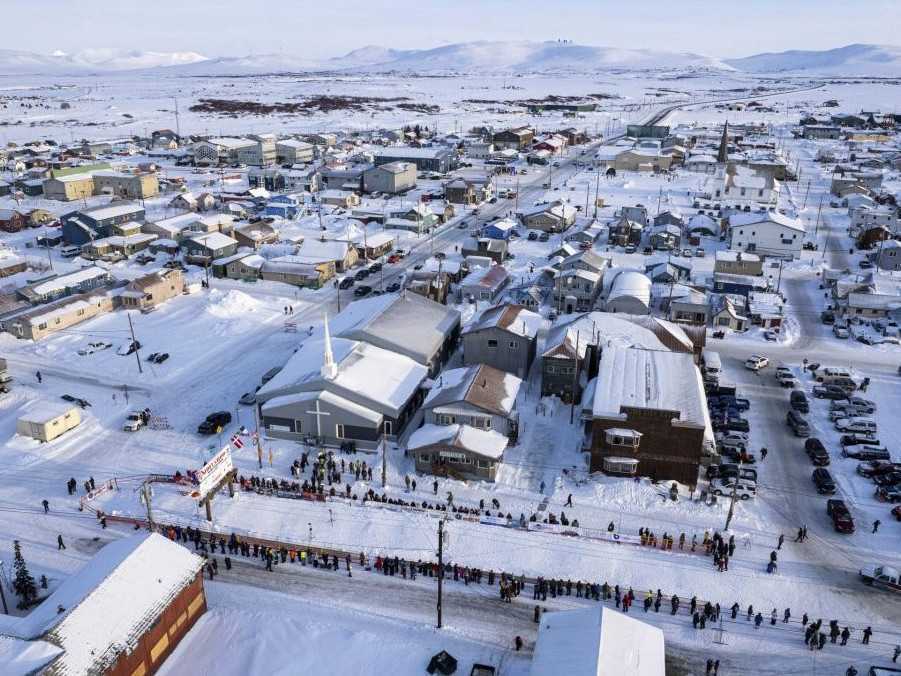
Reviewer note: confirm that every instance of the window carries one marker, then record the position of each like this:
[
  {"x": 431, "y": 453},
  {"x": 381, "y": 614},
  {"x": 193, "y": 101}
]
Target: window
[
  {"x": 760, "y": 193},
  {"x": 339, "y": 431},
  {"x": 444, "y": 419},
  {"x": 492, "y": 342},
  {"x": 387, "y": 427},
  {"x": 425, "y": 457},
  {"x": 140, "y": 670},
  {"x": 513, "y": 345},
  {"x": 195, "y": 604},
  {"x": 157, "y": 651},
  {"x": 484, "y": 464}
]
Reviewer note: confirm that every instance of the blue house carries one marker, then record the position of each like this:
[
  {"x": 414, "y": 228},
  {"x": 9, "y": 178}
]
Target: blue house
[
  {"x": 284, "y": 206},
  {"x": 740, "y": 285},
  {"x": 81, "y": 227},
  {"x": 499, "y": 229}
]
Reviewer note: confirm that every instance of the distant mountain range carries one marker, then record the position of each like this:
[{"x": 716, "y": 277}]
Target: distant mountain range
[
  {"x": 872, "y": 60},
  {"x": 467, "y": 57}
]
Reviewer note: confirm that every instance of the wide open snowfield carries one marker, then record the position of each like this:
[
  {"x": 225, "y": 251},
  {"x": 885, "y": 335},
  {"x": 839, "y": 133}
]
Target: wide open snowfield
[{"x": 106, "y": 106}]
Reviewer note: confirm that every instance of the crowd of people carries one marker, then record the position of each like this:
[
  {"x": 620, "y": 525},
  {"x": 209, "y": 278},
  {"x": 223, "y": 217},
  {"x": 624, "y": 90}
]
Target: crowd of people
[{"x": 701, "y": 613}]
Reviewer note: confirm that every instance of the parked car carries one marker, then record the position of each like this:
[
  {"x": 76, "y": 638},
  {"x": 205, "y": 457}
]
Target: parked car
[
  {"x": 787, "y": 380},
  {"x": 866, "y": 425},
  {"x": 829, "y": 392},
  {"x": 798, "y": 401},
  {"x": 872, "y": 468},
  {"x": 375, "y": 267},
  {"x": 827, "y": 317},
  {"x": 729, "y": 400},
  {"x": 732, "y": 443},
  {"x": 841, "y": 517},
  {"x": 849, "y": 412},
  {"x": 889, "y": 493},
  {"x": 840, "y": 331},
  {"x": 134, "y": 421},
  {"x": 813, "y": 444},
  {"x": 797, "y": 423},
  {"x": 892, "y": 478},
  {"x": 362, "y": 290},
  {"x": 346, "y": 283},
  {"x": 822, "y": 479},
  {"x": 743, "y": 489},
  {"x": 756, "y": 362},
  {"x": 859, "y": 440},
  {"x": 248, "y": 399},
  {"x": 215, "y": 422},
  {"x": 866, "y": 453},
  {"x": 393, "y": 287}
]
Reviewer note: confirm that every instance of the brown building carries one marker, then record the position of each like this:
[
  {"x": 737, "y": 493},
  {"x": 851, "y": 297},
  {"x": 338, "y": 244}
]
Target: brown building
[
  {"x": 11, "y": 220},
  {"x": 122, "y": 615},
  {"x": 648, "y": 415},
  {"x": 152, "y": 290}
]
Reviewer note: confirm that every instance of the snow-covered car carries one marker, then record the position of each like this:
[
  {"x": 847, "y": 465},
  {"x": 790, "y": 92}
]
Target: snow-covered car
[
  {"x": 856, "y": 425},
  {"x": 771, "y": 335},
  {"x": 732, "y": 444},
  {"x": 849, "y": 412},
  {"x": 743, "y": 488},
  {"x": 756, "y": 362},
  {"x": 133, "y": 421},
  {"x": 841, "y": 332},
  {"x": 787, "y": 380},
  {"x": 248, "y": 398}
]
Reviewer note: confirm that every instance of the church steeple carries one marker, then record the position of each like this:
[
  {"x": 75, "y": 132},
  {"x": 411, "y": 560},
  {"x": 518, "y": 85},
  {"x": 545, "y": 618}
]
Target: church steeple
[
  {"x": 723, "y": 155},
  {"x": 329, "y": 368}
]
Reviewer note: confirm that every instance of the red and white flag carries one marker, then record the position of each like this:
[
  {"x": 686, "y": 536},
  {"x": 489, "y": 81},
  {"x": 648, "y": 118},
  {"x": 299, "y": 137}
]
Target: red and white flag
[{"x": 236, "y": 442}]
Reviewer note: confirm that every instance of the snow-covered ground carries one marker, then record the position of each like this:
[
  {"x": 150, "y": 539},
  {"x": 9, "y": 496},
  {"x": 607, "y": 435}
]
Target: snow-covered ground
[{"x": 222, "y": 340}]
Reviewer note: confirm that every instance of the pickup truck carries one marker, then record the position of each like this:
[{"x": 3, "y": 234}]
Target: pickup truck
[{"x": 882, "y": 576}]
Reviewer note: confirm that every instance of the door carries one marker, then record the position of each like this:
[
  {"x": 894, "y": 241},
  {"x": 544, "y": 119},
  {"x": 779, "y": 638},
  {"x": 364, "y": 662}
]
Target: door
[{"x": 339, "y": 431}]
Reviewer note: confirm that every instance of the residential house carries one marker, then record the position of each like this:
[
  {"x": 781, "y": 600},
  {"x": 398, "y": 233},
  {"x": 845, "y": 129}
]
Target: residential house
[
  {"x": 288, "y": 207},
  {"x": 725, "y": 315},
  {"x": 585, "y": 260},
  {"x": 484, "y": 283},
  {"x": 668, "y": 272},
  {"x": 66, "y": 284},
  {"x": 343, "y": 255},
  {"x": 822, "y": 131},
  {"x": 740, "y": 285},
  {"x": 625, "y": 231},
  {"x": 668, "y": 218},
  {"x": 128, "y": 186},
  {"x": 766, "y": 309},
  {"x": 289, "y": 270},
  {"x": 205, "y": 248},
  {"x": 10, "y": 264},
  {"x": 80, "y": 227},
  {"x": 471, "y": 190},
  {"x": 41, "y": 321},
  {"x": 768, "y": 233},
  {"x": 518, "y": 138},
  {"x": 69, "y": 187},
  {"x": 270, "y": 179},
  {"x": 495, "y": 249},
  {"x": 505, "y": 337},
  {"x": 501, "y": 229},
  {"x": 688, "y": 306},
  {"x": 646, "y": 156},
  {"x": 244, "y": 265},
  {"x": 738, "y": 263},
  {"x": 339, "y": 198},
  {"x": 648, "y": 415},
  {"x": 888, "y": 256},
  {"x": 554, "y": 217},
  {"x": 391, "y": 178},
  {"x": 172, "y": 228},
  {"x": 576, "y": 290},
  {"x": 457, "y": 451},
  {"x": 479, "y": 396},
  {"x": 189, "y": 201},
  {"x": 116, "y": 246},
  {"x": 151, "y": 291},
  {"x": 665, "y": 237},
  {"x": 11, "y": 220},
  {"x": 254, "y": 235}
]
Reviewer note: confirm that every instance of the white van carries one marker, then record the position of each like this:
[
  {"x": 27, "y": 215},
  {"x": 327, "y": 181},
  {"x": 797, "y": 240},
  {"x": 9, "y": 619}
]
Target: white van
[
  {"x": 70, "y": 251},
  {"x": 856, "y": 425},
  {"x": 828, "y": 375},
  {"x": 712, "y": 363}
]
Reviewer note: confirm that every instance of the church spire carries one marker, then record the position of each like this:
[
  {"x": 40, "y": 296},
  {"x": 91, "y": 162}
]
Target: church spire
[
  {"x": 723, "y": 154},
  {"x": 329, "y": 368}
]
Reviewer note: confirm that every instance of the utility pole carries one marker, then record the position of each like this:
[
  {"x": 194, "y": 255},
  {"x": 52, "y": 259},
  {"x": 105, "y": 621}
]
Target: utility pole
[
  {"x": 597, "y": 189},
  {"x": 147, "y": 494},
  {"x": 2, "y": 593},
  {"x": 134, "y": 342},
  {"x": 816, "y": 229},
  {"x": 440, "y": 565},
  {"x": 732, "y": 500},
  {"x": 659, "y": 197},
  {"x": 256, "y": 422},
  {"x": 806, "y": 194},
  {"x": 572, "y": 403},
  {"x": 384, "y": 457}
]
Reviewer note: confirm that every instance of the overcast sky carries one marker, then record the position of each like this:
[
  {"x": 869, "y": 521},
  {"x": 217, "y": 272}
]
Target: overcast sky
[{"x": 723, "y": 28}]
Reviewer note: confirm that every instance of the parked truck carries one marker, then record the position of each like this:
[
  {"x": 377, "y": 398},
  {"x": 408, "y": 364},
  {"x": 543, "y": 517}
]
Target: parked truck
[
  {"x": 5, "y": 378},
  {"x": 882, "y": 576}
]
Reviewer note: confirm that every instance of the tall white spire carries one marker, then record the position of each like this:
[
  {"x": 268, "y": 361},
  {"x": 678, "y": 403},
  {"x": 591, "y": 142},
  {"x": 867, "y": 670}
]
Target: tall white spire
[{"x": 329, "y": 368}]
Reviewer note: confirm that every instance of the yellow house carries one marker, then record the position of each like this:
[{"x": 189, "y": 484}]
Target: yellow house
[{"x": 46, "y": 420}]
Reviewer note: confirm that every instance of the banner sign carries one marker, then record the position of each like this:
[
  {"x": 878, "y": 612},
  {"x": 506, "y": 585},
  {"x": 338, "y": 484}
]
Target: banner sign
[{"x": 209, "y": 476}]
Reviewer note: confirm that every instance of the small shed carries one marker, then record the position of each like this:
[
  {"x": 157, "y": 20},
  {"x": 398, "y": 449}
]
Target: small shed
[{"x": 45, "y": 421}]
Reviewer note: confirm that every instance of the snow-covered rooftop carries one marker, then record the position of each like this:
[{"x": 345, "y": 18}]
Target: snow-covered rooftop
[{"x": 487, "y": 443}]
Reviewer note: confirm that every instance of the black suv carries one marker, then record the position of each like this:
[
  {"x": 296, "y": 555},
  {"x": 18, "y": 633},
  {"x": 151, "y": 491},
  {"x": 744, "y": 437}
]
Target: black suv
[
  {"x": 215, "y": 422},
  {"x": 816, "y": 452},
  {"x": 798, "y": 402},
  {"x": 823, "y": 481}
]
